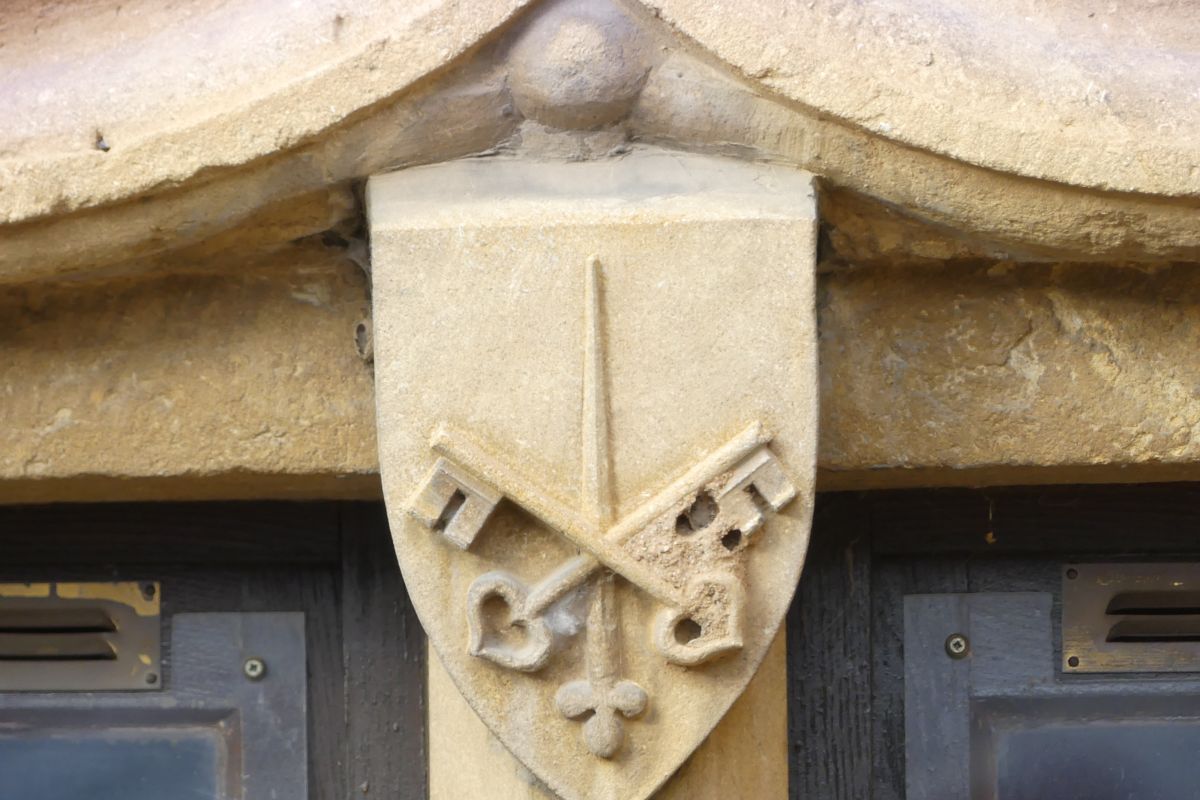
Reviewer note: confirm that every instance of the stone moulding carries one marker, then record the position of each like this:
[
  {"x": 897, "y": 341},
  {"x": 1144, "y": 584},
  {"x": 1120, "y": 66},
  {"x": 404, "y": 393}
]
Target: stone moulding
[
  {"x": 596, "y": 390},
  {"x": 993, "y": 129}
]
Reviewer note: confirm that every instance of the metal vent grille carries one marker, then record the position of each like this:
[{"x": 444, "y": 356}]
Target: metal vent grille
[
  {"x": 79, "y": 637},
  {"x": 1131, "y": 617}
]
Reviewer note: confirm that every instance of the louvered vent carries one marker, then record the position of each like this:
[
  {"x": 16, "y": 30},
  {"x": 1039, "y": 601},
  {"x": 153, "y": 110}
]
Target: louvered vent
[
  {"x": 1131, "y": 618},
  {"x": 79, "y": 637}
]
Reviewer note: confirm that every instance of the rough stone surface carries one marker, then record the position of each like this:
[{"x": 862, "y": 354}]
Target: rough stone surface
[
  {"x": 205, "y": 384},
  {"x": 984, "y": 374},
  {"x": 596, "y": 404},
  {"x": 691, "y": 104},
  {"x": 106, "y": 101},
  {"x": 270, "y": 201},
  {"x": 1066, "y": 92},
  {"x": 1041, "y": 143},
  {"x": 1006, "y": 373}
]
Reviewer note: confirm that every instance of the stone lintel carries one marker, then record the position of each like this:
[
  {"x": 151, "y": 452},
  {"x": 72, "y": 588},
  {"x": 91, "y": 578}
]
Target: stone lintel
[
  {"x": 244, "y": 383},
  {"x": 249, "y": 382},
  {"x": 1009, "y": 374}
]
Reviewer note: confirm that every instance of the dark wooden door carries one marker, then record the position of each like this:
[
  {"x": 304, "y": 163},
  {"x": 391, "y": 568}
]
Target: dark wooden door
[
  {"x": 333, "y": 562},
  {"x": 872, "y": 550}
]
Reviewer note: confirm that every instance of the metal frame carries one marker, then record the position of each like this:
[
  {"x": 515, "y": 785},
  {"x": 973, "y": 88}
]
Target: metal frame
[
  {"x": 260, "y": 715},
  {"x": 1166, "y": 620},
  {"x": 951, "y": 702},
  {"x": 50, "y": 660}
]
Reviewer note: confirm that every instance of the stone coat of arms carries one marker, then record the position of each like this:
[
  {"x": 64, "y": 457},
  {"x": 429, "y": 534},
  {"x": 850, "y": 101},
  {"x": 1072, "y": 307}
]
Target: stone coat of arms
[{"x": 597, "y": 414}]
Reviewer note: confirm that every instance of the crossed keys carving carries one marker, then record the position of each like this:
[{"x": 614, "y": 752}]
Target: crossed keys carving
[{"x": 683, "y": 546}]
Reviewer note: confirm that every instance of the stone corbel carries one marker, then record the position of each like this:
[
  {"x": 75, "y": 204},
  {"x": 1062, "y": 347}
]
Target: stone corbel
[{"x": 596, "y": 388}]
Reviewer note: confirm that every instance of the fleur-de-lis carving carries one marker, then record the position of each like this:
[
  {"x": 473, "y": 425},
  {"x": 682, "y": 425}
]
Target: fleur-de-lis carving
[{"x": 601, "y": 694}]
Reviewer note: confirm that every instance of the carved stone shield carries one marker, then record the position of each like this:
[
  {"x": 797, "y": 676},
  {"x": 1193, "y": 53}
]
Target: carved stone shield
[{"x": 597, "y": 411}]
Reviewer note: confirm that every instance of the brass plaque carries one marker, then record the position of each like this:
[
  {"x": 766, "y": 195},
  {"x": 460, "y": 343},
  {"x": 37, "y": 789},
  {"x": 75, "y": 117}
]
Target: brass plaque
[
  {"x": 1131, "y": 617},
  {"x": 80, "y": 637}
]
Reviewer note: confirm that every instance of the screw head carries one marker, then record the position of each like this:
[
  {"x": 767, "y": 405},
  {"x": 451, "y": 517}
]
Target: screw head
[
  {"x": 255, "y": 669},
  {"x": 1072, "y": 574},
  {"x": 957, "y": 646},
  {"x": 151, "y": 678}
]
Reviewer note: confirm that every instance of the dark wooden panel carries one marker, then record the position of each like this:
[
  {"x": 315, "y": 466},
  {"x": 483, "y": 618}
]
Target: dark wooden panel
[
  {"x": 366, "y": 649},
  {"x": 891, "y": 580},
  {"x": 932, "y": 542},
  {"x": 829, "y": 658},
  {"x": 384, "y": 664},
  {"x": 942, "y": 520},
  {"x": 1117, "y": 520},
  {"x": 170, "y": 533},
  {"x": 937, "y": 697},
  {"x": 311, "y": 590},
  {"x": 1100, "y": 520},
  {"x": 316, "y": 593},
  {"x": 1016, "y": 574}
]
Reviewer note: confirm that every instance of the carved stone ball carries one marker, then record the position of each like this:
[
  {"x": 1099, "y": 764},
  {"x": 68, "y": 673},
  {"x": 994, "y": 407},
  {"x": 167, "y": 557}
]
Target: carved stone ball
[{"x": 576, "y": 64}]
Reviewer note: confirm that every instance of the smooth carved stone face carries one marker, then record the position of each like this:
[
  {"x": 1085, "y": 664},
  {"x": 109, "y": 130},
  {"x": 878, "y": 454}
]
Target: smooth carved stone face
[{"x": 596, "y": 391}]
